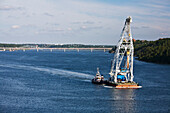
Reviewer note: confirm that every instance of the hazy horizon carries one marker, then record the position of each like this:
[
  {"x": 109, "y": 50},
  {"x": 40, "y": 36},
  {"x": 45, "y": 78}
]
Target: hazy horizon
[{"x": 67, "y": 43}]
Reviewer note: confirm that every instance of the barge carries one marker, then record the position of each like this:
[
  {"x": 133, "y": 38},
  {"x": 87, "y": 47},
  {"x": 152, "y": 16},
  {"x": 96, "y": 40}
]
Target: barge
[{"x": 121, "y": 72}]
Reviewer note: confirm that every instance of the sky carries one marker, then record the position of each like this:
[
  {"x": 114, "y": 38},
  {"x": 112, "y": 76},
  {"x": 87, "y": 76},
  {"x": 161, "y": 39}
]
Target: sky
[{"x": 81, "y": 21}]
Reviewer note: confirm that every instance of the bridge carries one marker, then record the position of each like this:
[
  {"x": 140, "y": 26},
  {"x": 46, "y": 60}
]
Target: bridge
[{"x": 51, "y": 49}]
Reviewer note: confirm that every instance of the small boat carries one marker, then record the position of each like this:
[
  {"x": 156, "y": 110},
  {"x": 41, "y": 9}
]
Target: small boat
[{"x": 98, "y": 79}]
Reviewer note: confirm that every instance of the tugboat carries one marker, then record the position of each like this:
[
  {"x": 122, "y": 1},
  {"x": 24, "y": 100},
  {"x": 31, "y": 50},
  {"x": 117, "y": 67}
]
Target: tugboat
[
  {"x": 121, "y": 73},
  {"x": 98, "y": 79}
]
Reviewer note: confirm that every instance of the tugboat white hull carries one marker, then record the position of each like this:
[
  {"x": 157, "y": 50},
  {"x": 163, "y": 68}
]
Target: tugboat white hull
[{"x": 97, "y": 82}]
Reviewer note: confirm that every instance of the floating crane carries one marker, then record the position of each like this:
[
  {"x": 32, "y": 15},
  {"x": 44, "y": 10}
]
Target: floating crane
[
  {"x": 121, "y": 72},
  {"x": 122, "y": 64}
]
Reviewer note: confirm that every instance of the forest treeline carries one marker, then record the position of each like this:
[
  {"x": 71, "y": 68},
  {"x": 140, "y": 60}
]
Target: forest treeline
[{"x": 153, "y": 51}]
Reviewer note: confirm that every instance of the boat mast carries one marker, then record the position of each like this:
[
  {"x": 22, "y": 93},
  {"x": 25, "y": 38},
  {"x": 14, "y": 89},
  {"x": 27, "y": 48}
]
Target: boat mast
[
  {"x": 123, "y": 54},
  {"x": 98, "y": 73}
]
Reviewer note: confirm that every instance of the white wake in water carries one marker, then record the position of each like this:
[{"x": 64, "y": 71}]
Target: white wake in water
[
  {"x": 64, "y": 72},
  {"x": 52, "y": 71},
  {"x": 108, "y": 86}
]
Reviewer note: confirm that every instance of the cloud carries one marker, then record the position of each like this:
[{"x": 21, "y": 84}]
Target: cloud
[
  {"x": 36, "y": 32},
  {"x": 49, "y": 30},
  {"x": 58, "y": 29},
  {"x": 145, "y": 27},
  {"x": 165, "y": 34},
  {"x": 91, "y": 27},
  {"x": 88, "y": 22},
  {"x": 139, "y": 27},
  {"x": 52, "y": 24},
  {"x": 48, "y": 14},
  {"x": 9, "y": 8},
  {"x": 69, "y": 29},
  {"x": 76, "y": 22},
  {"x": 83, "y": 27},
  {"x": 83, "y": 22},
  {"x": 97, "y": 27},
  {"x": 15, "y": 27},
  {"x": 135, "y": 27}
]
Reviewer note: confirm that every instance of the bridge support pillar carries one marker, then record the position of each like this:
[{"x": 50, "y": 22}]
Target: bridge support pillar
[{"x": 91, "y": 50}]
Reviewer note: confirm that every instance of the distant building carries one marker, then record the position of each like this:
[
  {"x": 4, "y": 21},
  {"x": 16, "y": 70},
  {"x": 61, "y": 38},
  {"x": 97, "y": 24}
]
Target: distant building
[{"x": 36, "y": 46}]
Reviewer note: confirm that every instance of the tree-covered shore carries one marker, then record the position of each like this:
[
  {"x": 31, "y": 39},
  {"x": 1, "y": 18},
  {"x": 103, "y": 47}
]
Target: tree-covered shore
[{"x": 153, "y": 51}]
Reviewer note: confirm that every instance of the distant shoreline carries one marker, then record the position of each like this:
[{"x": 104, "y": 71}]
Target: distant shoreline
[
  {"x": 149, "y": 51},
  {"x": 54, "y": 46}
]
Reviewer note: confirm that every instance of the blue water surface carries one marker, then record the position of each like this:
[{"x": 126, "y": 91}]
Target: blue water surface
[{"x": 60, "y": 82}]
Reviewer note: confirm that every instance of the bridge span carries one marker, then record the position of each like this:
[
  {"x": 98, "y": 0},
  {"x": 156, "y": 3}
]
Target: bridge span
[{"x": 51, "y": 49}]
